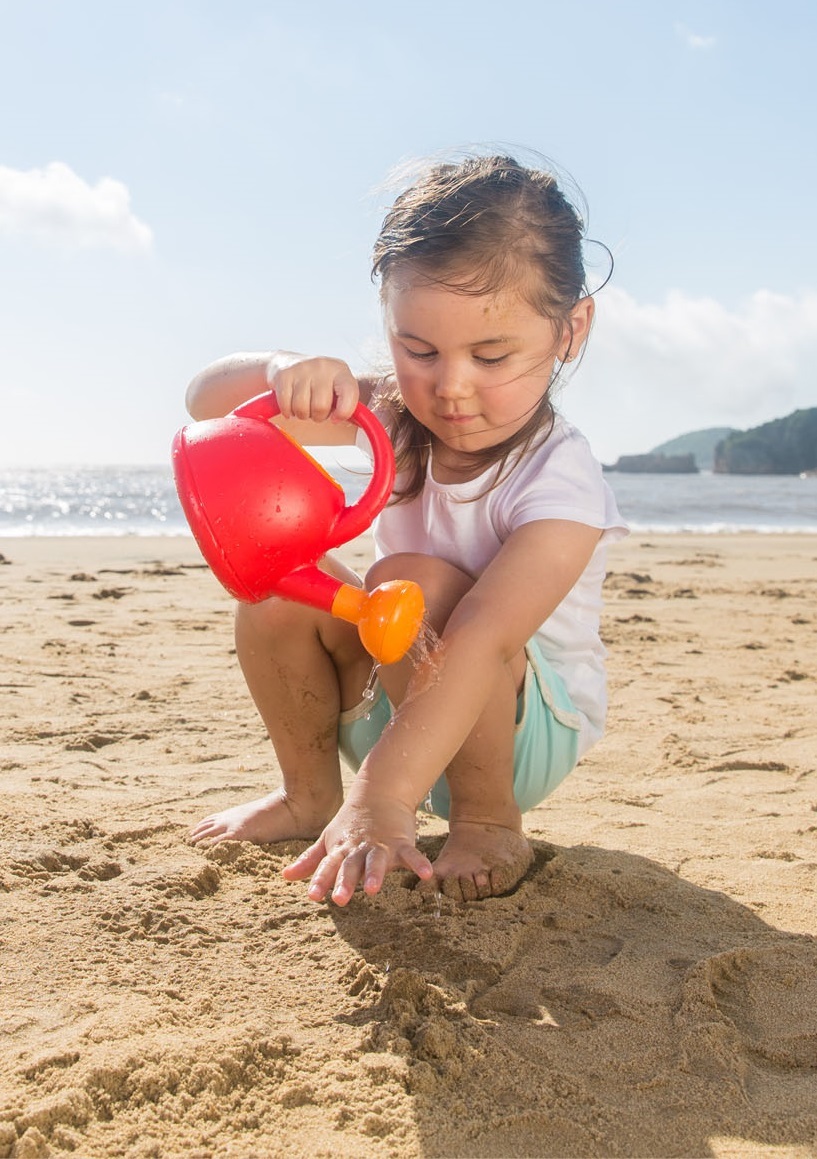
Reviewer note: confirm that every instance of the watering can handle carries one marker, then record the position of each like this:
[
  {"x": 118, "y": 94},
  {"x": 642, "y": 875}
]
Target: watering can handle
[{"x": 355, "y": 519}]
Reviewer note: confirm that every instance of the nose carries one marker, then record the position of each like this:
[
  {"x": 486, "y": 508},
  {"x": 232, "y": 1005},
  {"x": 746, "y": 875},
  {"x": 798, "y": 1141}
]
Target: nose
[{"x": 452, "y": 381}]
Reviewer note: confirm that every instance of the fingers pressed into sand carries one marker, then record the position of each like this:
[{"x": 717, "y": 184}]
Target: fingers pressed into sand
[
  {"x": 354, "y": 868},
  {"x": 417, "y": 862},
  {"x": 377, "y": 866},
  {"x": 325, "y": 877},
  {"x": 305, "y": 863},
  {"x": 341, "y": 871},
  {"x": 370, "y": 865}
]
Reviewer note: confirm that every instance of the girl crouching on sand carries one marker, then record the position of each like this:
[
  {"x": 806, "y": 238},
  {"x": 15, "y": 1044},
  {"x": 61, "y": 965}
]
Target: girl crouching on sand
[{"x": 499, "y": 512}]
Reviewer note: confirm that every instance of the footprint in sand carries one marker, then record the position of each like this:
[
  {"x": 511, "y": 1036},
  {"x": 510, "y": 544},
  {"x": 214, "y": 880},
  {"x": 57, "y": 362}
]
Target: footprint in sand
[
  {"x": 770, "y": 997},
  {"x": 531, "y": 987},
  {"x": 44, "y": 864}
]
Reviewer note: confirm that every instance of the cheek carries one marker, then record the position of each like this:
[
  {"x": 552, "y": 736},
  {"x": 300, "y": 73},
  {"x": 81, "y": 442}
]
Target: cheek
[{"x": 410, "y": 377}]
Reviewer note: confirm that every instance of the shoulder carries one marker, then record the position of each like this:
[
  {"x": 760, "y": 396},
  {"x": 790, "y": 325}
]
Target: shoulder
[
  {"x": 559, "y": 479},
  {"x": 565, "y": 454}
]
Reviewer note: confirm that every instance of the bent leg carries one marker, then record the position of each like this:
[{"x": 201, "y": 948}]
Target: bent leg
[
  {"x": 486, "y": 853},
  {"x": 302, "y": 667}
]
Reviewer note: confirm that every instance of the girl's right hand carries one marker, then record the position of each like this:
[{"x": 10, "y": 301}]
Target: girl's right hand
[
  {"x": 315, "y": 389},
  {"x": 364, "y": 840}
]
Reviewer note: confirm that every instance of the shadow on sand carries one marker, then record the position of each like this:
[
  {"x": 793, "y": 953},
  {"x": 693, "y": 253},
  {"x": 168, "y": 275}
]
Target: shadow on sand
[{"x": 606, "y": 1007}]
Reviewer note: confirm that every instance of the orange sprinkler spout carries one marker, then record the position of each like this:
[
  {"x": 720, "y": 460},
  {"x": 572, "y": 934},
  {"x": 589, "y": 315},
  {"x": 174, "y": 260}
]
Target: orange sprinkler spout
[{"x": 388, "y": 618}]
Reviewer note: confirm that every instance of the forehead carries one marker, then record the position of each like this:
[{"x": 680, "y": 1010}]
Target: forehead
[{"x": 412, "y": 302}]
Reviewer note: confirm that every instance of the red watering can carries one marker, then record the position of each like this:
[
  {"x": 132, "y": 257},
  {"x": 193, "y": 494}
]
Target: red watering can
[{"x": 263, "y": 512}]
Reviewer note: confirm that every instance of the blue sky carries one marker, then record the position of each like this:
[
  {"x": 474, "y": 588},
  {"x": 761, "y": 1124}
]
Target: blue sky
[{"x": 179, "y": 180}]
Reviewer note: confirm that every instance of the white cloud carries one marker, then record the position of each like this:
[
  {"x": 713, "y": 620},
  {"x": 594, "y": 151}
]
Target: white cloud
[
  {"x": 694, "y": 40},
  {"x": 54, "y": 204},
  {"x": 656, "y": 371}
]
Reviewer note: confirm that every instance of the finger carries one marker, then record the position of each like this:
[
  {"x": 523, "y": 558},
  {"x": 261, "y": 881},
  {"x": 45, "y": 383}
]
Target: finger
[
  {"x": 321, "y": 400},
  {"x": 347, "y": 393},
  {"x": 281, "y": 383},
  {"x": 349, "y": 874},
  {"x": 323, "y": 880},
  {"x": 306, "y": 863},
  {"x": 302, "y": 400},
  {"x": 414, "y": 860},
  {"x": 377, "y": 864}
]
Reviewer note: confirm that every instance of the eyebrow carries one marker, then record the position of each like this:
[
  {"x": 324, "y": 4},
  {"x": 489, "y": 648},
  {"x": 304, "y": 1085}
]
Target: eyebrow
[{"x": 482, "y": 341}]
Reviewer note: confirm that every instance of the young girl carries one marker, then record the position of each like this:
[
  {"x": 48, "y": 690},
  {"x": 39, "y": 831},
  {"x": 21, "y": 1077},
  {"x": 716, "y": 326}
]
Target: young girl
[{"x": 499, "y": 512}]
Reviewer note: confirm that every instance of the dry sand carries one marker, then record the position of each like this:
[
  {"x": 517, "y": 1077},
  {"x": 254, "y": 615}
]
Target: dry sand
[{"x": 650, "y": 989}]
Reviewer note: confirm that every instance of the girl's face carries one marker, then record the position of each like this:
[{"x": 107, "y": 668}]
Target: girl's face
[{"x": 472, "y": 367}]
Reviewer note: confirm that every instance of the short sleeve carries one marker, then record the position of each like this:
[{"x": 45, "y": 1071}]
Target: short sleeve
[{"x": 562, "y": 480}]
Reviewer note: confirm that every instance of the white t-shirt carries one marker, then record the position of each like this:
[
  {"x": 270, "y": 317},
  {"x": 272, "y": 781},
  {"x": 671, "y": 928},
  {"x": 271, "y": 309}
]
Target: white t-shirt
[{"x": 560, "y": 479}]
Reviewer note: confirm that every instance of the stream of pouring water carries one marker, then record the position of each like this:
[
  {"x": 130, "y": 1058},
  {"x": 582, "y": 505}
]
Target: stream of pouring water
[{"x": 422, "y": 651}]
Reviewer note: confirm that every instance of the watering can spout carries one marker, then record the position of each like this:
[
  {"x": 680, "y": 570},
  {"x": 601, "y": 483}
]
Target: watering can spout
[
  {"x": 388, "y": 618},
  {"x": 263, "y": 512}
]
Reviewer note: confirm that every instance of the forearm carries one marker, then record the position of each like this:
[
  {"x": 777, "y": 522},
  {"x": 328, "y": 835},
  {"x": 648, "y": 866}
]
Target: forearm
[
  {"x": 443, "y": 703},
  {"x": 309, "y": 390},
  {"x": 228, "y": 382}
]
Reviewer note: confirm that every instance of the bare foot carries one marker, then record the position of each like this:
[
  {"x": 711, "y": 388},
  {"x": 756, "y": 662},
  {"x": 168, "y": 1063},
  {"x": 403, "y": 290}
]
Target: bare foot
[
  {"x": 479, "y": 860},
  {"x": 272, "y": 818}
]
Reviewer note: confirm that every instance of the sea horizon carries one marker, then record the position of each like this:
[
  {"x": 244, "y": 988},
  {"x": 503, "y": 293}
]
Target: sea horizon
[{"x": 140, "y": 499}]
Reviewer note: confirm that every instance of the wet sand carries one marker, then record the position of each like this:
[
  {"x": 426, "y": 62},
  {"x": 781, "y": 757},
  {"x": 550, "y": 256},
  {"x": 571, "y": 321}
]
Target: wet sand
[{"x": 650, "y": 989}]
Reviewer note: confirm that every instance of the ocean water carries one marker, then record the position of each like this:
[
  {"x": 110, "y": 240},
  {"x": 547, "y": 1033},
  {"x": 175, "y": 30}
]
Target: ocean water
[{"x": 143, "y": 501}]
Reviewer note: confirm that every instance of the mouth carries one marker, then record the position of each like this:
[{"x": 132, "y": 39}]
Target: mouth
[{"x": 457, "y": 419}]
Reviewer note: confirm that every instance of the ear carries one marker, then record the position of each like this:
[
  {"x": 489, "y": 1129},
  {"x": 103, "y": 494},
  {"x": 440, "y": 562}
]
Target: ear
[{"x": 573, "y": 338}]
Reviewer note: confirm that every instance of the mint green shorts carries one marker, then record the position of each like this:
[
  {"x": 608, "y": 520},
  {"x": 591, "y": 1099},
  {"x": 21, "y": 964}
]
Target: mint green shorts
[{"x": 545, "y": 742}]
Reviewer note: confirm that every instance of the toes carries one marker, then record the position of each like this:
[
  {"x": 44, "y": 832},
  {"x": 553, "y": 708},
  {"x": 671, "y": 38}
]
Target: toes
[
  {"x": 482, "y": 883},
  {"x": 208, "y": 840},
  {"x": 467, "y": 887},
  {"x": 210, "y": 837},
  {"x": 450, "y": 887}
]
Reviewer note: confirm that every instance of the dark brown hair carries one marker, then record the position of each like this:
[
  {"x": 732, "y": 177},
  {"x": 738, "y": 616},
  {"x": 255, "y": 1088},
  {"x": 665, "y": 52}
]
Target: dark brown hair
[{"x": 479, "y": 226}]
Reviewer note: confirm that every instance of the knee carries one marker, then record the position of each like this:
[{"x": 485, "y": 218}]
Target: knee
[
  {"x": 443, "y": 585},
  {"x": 403, "y": 565},
  {"x": 427, "y": 570},
  {"x": 273, "y": 617}
]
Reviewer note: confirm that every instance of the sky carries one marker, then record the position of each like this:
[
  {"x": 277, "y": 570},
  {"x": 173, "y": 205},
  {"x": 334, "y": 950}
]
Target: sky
[{"x": 182, "y": 179}]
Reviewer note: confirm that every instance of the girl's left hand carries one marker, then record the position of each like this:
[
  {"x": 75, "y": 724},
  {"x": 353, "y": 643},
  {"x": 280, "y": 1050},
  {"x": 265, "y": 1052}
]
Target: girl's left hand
[{"x": 363, "y": 841}]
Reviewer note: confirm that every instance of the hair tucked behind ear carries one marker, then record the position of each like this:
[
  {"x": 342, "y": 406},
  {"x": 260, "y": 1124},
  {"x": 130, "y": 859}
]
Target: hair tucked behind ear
[{"x": 480, "y": 226}]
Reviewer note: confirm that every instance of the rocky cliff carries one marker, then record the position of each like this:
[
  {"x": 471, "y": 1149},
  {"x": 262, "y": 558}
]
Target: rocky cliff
[
  {"x": 655, "y": 464},
  {"x": 786, "y": 446}
]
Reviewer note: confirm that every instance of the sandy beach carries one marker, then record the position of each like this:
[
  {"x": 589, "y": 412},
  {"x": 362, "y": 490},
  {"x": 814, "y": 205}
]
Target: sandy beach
[{"x": 650, "y": 988}]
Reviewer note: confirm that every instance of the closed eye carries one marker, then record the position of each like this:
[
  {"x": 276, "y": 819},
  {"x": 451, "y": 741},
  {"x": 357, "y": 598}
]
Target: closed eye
[
  {"x": 421, "y": 355},
  {"x": 490, "y": 361}
]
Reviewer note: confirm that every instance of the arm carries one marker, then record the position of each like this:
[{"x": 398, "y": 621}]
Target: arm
[
  {"x": 309, "y": 391},
  {"x": 374, "y": 829}
]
